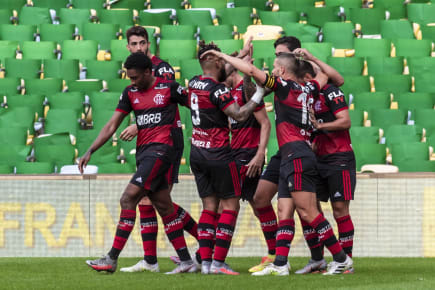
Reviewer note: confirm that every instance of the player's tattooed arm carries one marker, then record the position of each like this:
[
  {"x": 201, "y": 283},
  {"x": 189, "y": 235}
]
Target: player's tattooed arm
[
  {"x": 242, "y": 113},
  {"x": 334, "y": 75},
  {"x": 248, "y": 87}
]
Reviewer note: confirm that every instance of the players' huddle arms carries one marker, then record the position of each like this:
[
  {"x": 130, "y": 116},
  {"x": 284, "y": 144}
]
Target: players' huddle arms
[{"x": 315, "y": 161}]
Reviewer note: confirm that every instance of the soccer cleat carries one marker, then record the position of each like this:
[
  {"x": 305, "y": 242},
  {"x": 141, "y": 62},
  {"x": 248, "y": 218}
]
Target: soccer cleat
[
  {"x": 142, "y": 266},
  {"x": 175, "y": 259},
  {"x": 103, "y": 264},
  {"x": 313, "y": 266},
  {"x": 264, "y": 262},
  {"x": 339, "y": 268},
  {"x": 222, "y": 268},
  {"x": 184, "y": 267},
  {"x": 272, "y": 269},
  {"x": 205, "y": 267},
  {"x": 349, "y": 271}
]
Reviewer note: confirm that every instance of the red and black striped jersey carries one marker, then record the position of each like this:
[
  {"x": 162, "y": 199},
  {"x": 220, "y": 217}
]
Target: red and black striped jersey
[
  {"x": 330, "y": 101},
  {"x": 292, "y": 103},
  {"x": 245, "y": 136},
  {"x": 207, "y": 101},
  {"x": 155, "y": 111}
]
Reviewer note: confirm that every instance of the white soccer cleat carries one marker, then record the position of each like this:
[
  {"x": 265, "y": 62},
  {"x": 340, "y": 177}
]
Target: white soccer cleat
[
  {"x": 272, "y": 269},
  {"x": 184, "y": 267},
  {"x": 313, "y": 266},
  {"x": 205, "y": 267},
  {"x": 339, "y": 268},
  {"x": 142, "y": 266}
]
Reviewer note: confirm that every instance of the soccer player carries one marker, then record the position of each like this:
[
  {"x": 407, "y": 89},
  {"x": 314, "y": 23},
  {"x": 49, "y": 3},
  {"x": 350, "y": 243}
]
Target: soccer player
[
  {"x": 138, "y": 41},
  {"x": 268, "y": 184},
  {"x": 154, "y": 102},
  {"x": 216, "y": 173},
  {"x": 336, "y": 166},
  {"x": 297, "y": 176}
]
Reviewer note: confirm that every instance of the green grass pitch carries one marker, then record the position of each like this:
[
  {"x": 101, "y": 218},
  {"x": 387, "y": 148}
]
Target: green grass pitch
[{"x": 73, "y": 273}]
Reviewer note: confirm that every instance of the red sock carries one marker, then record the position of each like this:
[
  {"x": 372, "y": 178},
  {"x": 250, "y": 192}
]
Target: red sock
[
  {"x": 206, "y": 234},
  {"x": 148, "y": 230},
  {"x": 189, "y": 224},
  {"x": 174, "y": 231},
  {"x": 123, "y": 230},
  {"x": 284, "y": 238},
  {"x": 224, "y": 234},
  {"x": 269, "y": 226},
  {"x": 345, "y": 234},
  {"x": 326, "y": 235},
  {"x": 312, "y": 239}
]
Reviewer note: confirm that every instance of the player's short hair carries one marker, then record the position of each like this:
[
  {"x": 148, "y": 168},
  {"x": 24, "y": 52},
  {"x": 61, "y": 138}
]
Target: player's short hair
[
  {"x": 290, "y": 42},
  {"x": 305, "y": 67},
  {"x": 137, "y": 31},
  {"x": 203, "y": 47},
  {"x": 138, "y": 61},
  {"x": 289, "y": 61}
]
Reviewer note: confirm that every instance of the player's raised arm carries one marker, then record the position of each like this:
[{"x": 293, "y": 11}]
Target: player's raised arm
[{"x": 242, "y": 113}]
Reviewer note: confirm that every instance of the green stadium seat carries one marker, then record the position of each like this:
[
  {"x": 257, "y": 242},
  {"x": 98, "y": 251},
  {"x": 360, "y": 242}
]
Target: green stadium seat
[
  {"x": 8, "y": 49},
  {"x": 6, "y": 169},
  {"x": 369, "y": 154},
  {"x": 416, "y": 166},
  {"x": 257, "y": 4},
  {"x": 39, "y": 50},
  {"x": 66, "y": 69},
  {"x": 78, "y": 17},
  {"x": 355, "y": 84},
  {"x": 44, "y": 87},
  {"x": 34, "y": 168},
  {"x": 356, "y": 117},
  {"x": 321, "y": 50},
  {"x": 397, "y": 8},
  {"x": 52, "y": 139},
  {"x": 421, "y": 13},
  {"x": 393, "y": 29},
  {"x": 294, "y": 5},
  {"x": 155, "y": 18},
  {"x": 347, "y": 65},
  {"x": 129, "y": 4},
  {"x": 379, "y": 65},
  {"x": 5, "y": 16},
  {"x": 121, "y": 17},
  {"x": 280, "y": 18},
  {"x": 178, "y": 32},
  {"x": 428, "y": 32},
  {"x": 367, "y": 101},
  {"x": 185, "y": 49},
  {"x": 118, "y": 50},
  {"x": 34, "y": 102},
  {"x": 216, "y": 4},
  {"x": 71, "y": 101},
  {"x": 402, "y": 134},
  {"x": 17, "y": 117},
  {"x": 340, "y": 34},
  {"x": 102, "y": 33},
  {"x": 239, "y": 16},
  {"x": 98, "y": 5},
  {"x": 84, "y": 86},
  {"x": 372, "y": 47},
  {"x": 424, "y": 117},
  {"x": 199, "y": 18},
  {"x": 56, "y": 32},
  {"x": 59, "y": 155},
  {"x": 13, "y": 4},
  {"x": 60, "y": 121},
  {"x": 9, "y": 86},
  {"x": 163, "y": 4},
  {"x": 18, "y": 33},
  {"x": 101, "y": 116},
  {"x": 413, "y": 101},
  {"x": 103, "y": 70},
  {"x": 369, "y": 19},
  {"x": 369, "y": 135},
  {"x": 85, "y": 138},
  {"x": 15, "y": 136},
  {"x": 422, "y": 69},
  {"x": 51, "y": 4},
  {"x": 34, "y": 16},
  {"x": 431, "y": 141},
  {"x": 11, "y": 155},
  {"x": 22, "y": 68},
  {"x": 304, "y": 32},
  {"x": 80, "y": 49},
  {"x": 210, "y": 33},
  {"x": 384, "y": 118},
  {"x": 394, "y": 84},
  {"x": 413, "y": 47},
  {"x": 117, "y": 85},
  {"x": 112, "y": 168},
  {"x": 190, "y": 68},
  {"x": 105, "y": 101},
  {"x": 229, "y": 45},
  {"x": 263, "y": 48},
  {"x": 318, "y": 16},
  {"x": 344, "y": 3},
  {"x": 405, "y": 152}
]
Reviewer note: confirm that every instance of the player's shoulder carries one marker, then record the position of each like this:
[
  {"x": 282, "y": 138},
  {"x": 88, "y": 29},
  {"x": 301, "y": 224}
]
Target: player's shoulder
[
  {"x": 330, "y": 91},
  {"x": 203, "y": 83}
]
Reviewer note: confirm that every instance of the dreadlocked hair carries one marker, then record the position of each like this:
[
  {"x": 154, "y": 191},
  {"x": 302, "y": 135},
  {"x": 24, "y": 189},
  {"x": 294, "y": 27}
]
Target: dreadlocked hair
[{"x": 203, "y": 47}]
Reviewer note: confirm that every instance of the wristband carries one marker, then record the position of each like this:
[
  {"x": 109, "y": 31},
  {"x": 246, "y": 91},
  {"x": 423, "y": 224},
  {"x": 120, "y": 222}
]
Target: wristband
[{"x": 258, "y": 96}]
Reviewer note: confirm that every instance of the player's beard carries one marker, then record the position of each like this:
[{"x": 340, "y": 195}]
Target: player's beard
[{"x": 222, "y": 75}]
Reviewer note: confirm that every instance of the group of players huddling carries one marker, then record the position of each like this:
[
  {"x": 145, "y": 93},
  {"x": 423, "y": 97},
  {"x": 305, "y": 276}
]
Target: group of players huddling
[{"x": 315, "y": 161}]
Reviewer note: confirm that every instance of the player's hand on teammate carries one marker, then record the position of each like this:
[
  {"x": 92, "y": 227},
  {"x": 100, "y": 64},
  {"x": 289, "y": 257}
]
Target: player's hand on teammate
[
  {"x": 304, "y": 53},
  {"x": 211, "y": 52},
  {"x": 84, "y": 161},
  {"x": 313, "y": 119},
  {"x": 255, "y": 166},
  {"x": 129, "y": 133}
]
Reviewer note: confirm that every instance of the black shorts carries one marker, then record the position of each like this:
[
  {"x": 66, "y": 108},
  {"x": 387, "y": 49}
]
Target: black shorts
[
  {"x": 271, "y": 173},
  {"x": 297, "y": 174},
  {"x": 177, "y": 136},
  {"x": 336, "y": 182},
  {"x": 249, "y": 184},
  {"x": 221, "y": 178},
  {"x": 153, "y": 173}
]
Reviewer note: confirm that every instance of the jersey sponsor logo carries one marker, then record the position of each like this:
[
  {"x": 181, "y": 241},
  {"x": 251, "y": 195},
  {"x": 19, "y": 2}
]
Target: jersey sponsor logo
[
  {"x": 159, "y": 99},
  {"x": 201, "y": 144},
  {"x": 309, "y": 87},
  {"x": 136, "y": 101},
  {"x": 181, "y": 90},
  {"x": 198, "y": 85},
  {"x": 221, "y": 92},
  {"x": 336, "y": 96},
  {"x": 161, "y": 86},
  {"x": 165, "y": 70},
  {"x": 151, "y": 118}
]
